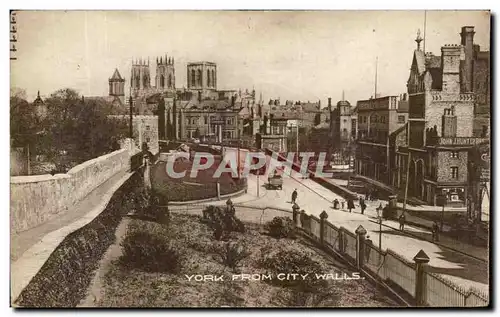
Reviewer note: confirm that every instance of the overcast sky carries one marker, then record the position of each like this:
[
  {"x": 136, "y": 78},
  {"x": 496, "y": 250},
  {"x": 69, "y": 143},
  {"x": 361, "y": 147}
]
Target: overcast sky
[{"x": 296, "y": 55}]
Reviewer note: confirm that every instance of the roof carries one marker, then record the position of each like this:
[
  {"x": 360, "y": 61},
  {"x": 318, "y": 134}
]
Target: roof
[
  {"x": 116, "y": 75},
  {"x": 310, "y": 106},
  {"x": 288, "y": 115},
  {"x": 343, "y": 103},
  {"x": 419, "y": 59},
  {"x": 433, "y": 61}
]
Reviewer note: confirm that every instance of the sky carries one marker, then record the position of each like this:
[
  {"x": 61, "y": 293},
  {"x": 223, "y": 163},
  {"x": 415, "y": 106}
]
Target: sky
[{"x": 291, "y": 55}]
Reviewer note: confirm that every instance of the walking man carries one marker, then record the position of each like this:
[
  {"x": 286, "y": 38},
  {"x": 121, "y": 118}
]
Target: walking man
[
  {"x": 362, "y": 204},
  {"x": 350, "y": 204},
  {"x": 402, "y": 222},
  {"x": 336, "y": 204},
  {"x": 294, "y": 196},
  {"x": 435, "y": 231}
]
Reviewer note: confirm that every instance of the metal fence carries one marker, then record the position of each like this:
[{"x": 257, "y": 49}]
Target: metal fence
[
  {"x": 350, "y": 244},
  {"x": 442, "y": 293},
  {"x": 374, "y": 261},
  {"x": 332, "y": 236},
  {"x": 315, "y": 227},
  {"x": 400, "y": 272}
]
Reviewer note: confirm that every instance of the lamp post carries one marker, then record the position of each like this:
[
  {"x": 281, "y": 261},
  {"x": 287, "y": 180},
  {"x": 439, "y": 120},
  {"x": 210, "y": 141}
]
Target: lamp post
[
  {"x": 379, "y": 215},
  {"x": 441, "y": 201}
]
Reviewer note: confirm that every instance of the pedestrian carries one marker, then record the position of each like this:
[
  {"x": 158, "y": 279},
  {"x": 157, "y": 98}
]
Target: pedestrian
[
  {"x": 362, "y": 204},
  {"x": 294, "y": 196},
  {"x": 343, "y": 204},
  {"x": 336, "y": 204},
  {"x": 435, "y": 231},
  {"x": 350, "y": 204},
  {"x": 368, "y": 248},
  {"x": 402, "y": 222}
]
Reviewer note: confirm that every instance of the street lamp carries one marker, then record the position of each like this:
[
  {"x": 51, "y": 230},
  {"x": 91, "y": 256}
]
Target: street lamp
[{"x": 379, "y": 216}]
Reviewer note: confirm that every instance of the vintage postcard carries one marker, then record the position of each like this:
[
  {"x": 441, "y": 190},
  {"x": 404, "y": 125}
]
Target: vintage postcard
[{"x": 253, "y": 159}]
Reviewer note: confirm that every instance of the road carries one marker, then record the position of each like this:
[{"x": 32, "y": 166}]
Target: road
[{"x": 465, "y": 271}]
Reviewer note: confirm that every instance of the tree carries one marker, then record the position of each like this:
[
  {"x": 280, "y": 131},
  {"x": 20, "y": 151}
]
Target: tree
[
  {"x": 80, "y": 126},
  {"x": 22, "y": 119}
]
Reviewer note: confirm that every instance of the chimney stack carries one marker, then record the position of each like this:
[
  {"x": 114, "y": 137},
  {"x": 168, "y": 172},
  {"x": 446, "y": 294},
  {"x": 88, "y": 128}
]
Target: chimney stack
[
  {"x": 467, "y": 36},
  {"x": 330, "y": 104}
]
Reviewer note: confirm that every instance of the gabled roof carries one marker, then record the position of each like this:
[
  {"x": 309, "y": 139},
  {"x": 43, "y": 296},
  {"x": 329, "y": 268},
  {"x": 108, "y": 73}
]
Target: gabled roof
[
  {"x": 419, "y": 61},
  {"x": 116, "y": 75}
]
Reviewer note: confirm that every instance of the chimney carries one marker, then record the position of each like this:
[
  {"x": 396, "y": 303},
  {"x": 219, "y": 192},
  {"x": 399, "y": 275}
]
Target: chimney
[
  {"x": 450, "y": 64},
  {"x": 467, "y": 36},
  {"x": 330, "y": 104}
]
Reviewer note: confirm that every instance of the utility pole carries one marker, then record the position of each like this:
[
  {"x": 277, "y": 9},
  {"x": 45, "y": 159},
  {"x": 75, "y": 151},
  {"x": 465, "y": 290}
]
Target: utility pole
[
  {"x": 376, "y": 71},
  {"x": 130, "y": 114},
  {"x": 239, "y": 143},
  {"x": 407, "y": 169}
]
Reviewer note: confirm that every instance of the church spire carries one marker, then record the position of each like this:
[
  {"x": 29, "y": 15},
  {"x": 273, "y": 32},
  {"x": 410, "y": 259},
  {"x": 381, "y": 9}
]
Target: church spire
[{"x": 418, "y": 40}]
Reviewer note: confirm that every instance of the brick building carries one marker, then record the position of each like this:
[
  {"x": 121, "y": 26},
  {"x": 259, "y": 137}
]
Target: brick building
[
  {"x": 442, "y": 98},
  {"x": 380, "y": 122}
]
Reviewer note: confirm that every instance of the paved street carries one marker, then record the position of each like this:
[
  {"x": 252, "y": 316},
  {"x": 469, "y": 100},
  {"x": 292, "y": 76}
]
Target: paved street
[{"x": 314, "y": 198}]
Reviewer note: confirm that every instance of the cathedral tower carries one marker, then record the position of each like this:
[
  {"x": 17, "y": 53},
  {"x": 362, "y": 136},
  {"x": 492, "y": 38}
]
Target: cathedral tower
[
  {"x": 165, "y": 73},
  {"x": 140, "y": 78}
]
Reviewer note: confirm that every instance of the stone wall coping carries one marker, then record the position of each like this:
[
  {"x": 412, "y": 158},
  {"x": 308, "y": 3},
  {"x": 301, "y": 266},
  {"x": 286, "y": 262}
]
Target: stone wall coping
[{"x": 74, "y": 170}]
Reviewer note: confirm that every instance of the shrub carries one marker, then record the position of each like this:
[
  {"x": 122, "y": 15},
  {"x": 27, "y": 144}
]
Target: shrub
[
  {"x": 293, "y": 261},
  {"x": 150, "y": 251},
  {"x": 281, "y": 227},
  {"x": 222, "y": 221},
  {"x": 231, "y": 254}
]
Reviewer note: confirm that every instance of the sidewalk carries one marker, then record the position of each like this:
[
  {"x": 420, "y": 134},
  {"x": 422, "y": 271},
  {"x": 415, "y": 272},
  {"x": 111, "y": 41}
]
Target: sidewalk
[{"x": 30, "y": 249}]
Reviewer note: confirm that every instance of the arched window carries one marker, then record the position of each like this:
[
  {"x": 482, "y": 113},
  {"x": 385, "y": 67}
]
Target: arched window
[
  {"x": 198, "y": 77},
  {"x": 162, "y": 81},
  {"x": 137, "y": 82},
  {"x": 214, "y": 80},
  {"x": 145, "y": 81},
  {"x": 193, "y": 78},
  {"x": 170, "y": 84}
]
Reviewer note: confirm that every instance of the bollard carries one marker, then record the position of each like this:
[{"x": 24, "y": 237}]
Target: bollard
[
  {"x": 323, "y": 216},
  {"x": 218, "y": 191},
  {"x": 360, "y": 246},
  {"x": 421, "y": 259},
  {"x": 295, "y": 210}
]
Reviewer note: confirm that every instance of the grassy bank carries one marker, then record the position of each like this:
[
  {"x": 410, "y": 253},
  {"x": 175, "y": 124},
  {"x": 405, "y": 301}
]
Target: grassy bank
[{"x": 157, "y": 257}]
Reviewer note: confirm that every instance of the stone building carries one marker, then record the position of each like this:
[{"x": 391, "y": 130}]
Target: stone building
[
  {"x": 379, "y": 121},
  {"x": 341, "y": 125},
  {"x": 441, "y": 120}
]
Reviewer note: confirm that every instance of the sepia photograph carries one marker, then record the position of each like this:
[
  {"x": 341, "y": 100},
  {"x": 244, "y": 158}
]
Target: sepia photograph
[{"x": 250, "y": 159}]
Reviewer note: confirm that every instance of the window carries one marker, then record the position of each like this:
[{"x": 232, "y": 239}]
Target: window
[
  {"x": 148, "y": 127},
  {"x": 206, "y": 120},
  {"x": 454, "y": 172},
  {"x": 148, "y": 140},
  {"x": 454, "y": 154},
  {"x": 401, "y": 119}
]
